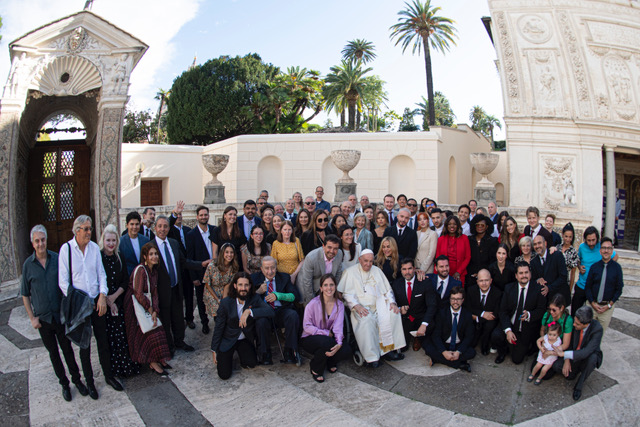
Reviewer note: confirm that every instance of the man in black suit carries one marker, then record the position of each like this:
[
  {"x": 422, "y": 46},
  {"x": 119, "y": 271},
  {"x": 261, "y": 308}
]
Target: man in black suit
[
  {"x": 442, "y": 283},
  {"x": 437, "y": 218},
  {"x": 148, "y": 219},
  {"x": 249, "y": 219},
  {"x": 450, "y": 343},
  {"x": 199, "y": 248},
  {"x": 584, "y": 354},
  {"x": 236, "y": 325},
  {"x": 179, "y": 232},
  {"x": 521, "y": 311},
  {"x": 483, "y": 301},
  {"x": 406, "y": 238},
  {"x": 534, "y": 228},
  {"x": 417, "y": 301},
  {"x": 277, "y": 291},
  {"x": 289, "y": 213},
  {"x": 549, "y": 270},
  {"x": 170, "y": 293}
]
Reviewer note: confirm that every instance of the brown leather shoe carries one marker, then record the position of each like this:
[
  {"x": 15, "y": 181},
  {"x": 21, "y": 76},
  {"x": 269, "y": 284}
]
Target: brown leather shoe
[{"x": 417, "y": 344}]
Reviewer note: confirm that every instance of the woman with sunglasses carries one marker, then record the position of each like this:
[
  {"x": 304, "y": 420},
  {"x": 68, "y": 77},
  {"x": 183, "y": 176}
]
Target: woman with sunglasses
[{"x": 314, "y": 237}]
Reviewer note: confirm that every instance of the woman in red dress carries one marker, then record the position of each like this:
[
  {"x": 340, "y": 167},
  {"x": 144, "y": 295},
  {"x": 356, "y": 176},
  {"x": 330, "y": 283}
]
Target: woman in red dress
[{"x": 455, "y": 246}]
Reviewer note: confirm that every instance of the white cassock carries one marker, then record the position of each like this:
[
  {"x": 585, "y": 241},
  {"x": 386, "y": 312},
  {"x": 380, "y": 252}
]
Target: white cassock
[{"x": 380, "y": 331}]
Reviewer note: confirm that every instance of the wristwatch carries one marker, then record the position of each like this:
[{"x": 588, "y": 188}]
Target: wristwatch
[{"x": 609, "y": 305}]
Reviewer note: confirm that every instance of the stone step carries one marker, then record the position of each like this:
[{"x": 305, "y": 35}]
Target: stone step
[
  {"x": 631, "y": 280},
  {"x": 630, "y": 270}
]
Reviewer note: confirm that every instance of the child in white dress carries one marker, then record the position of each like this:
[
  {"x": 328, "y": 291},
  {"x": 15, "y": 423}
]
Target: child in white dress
[{"x": 549, "y": 342}]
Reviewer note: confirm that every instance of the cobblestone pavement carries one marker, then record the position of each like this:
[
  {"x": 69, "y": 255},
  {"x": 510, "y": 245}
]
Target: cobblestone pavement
[{"x": 406, "y": 392}]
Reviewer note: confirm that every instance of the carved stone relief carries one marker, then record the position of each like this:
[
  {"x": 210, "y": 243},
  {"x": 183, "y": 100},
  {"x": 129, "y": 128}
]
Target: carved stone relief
[
  {"x": 614, "y": 34},
  {"x": 108, "y": 161},
  {"x": 545, "y": 83},
  {"x": 620, "y": 85},
  {"x": 577, "y": 64},
  {"x": 510, "y": 70},
  {"x": 534, "y": 28},
  {"x": 558, "y": 184}
]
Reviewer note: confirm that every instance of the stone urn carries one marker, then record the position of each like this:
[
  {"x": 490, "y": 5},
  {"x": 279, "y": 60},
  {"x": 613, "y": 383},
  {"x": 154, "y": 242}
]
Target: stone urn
[
  {"x": 214, "y": 164},
  {"x": 345, "y": 160},
  {"x": 485, "y": 163}
]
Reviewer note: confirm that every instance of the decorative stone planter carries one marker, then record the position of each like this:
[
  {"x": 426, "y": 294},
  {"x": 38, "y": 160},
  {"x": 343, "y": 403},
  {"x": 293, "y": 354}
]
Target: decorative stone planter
[
  {"x": 485, "y": 163},
  {"x": 345, "y": 160},
  {"x": 214, "y": 189}
]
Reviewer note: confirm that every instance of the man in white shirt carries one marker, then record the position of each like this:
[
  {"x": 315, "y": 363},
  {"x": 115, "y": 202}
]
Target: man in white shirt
[
  {"x": 463, "y": 215},
  {"x": 86, "y": 273},
  {"x": 438, "y": 220}
]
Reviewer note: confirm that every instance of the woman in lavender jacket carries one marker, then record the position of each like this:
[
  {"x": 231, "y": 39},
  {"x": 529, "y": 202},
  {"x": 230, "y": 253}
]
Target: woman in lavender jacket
[{"x": 322, "y": 330}]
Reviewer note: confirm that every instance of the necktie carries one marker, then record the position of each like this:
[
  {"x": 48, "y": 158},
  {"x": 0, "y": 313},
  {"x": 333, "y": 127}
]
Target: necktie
[
  {"x": 440, "y": 288},
  {"x": 602, "y": 282},
  {"x": 410, "y": 225},
  {"x": 170, "y": 268},
  {"x": 519, "y": 309},
  {"x": 400, "y": 232},
  {"x": 454, "y": 330},
  {"x": 390, "y": 217},
  {"x": 542, "y": 260},
  {"x": 483, "y": 300},
  {"x": 580, "y": 340},
  {"x": 182, "y": 236},
  {"x": 270, "y": 291},
  {"x": 146, "y": 232},
  {"x": 409, "y": 293},
  {"x": 531, "y": 232}
]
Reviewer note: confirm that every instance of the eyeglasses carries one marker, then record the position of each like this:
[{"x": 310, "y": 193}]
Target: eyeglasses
[
  {"x": 322, "y": 220},
  {"x": 412, "y": 205},
  {"x": 309, "y": 203},
  {"x": 86, "y": 229},
  {"x": 606, "y": 248}
]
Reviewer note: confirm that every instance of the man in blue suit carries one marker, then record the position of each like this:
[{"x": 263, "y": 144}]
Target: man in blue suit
[
  {"x": 443, "y": 283},
  {"x": 249, "y": 219},
  {"x": 132, "y": 242},
  {"x": 178, "y": 232}
]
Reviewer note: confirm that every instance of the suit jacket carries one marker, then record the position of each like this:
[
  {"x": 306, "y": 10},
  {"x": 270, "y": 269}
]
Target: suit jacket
[
  {"x": 282, "y": 284},
  {"x": 293, "y": 219},
  {"x": 534, "y": 303},
  {"x": 424, "y": 301},
  {"x": 227, "y": 329},
  {"x": 407, "y": 243},
  {"x": 174, "y": 233},
  {"x": 127, "y": 253},
  {"x": 313, "y": 269},
  {"x": 442, "y": 331},
  {"x": 415, "y": 222},
  {"x": 473, "y": 301},
  {"x": 590, "y": 342},
  {"x": 554, "y": 271},
  {"x": 196, "y": 250},
  {"x": 543, "y": 232},
  {"x": 240, "y": 221},
  {"x": 143, "y": 231},
  {"x": 164, "y": 280},
  {"x": 442, "y": 302}
]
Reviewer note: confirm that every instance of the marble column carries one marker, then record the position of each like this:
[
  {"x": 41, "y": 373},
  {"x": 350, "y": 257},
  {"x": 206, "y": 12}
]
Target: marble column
[{"x": 610, "y": 210}]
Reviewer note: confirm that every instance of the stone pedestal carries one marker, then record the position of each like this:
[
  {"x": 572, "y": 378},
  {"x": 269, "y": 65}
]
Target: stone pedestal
[
  {"x": 345, "y": 160},
  {"x": 214, "y": 189},
  {"x": 485, "y": 163},
  {"x": 484, "y": 195},
  {"x": 344, "y": 190},
  {"x": 214, "y": 194}
]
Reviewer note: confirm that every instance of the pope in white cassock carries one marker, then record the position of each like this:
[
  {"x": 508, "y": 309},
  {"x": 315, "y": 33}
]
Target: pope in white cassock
[{"x": 374, "y": 314}]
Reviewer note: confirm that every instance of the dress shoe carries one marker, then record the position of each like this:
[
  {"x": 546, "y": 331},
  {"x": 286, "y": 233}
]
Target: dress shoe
[
  {"x": 375, "y": 364},
  {"x": 266, "y": 359},
  {"x": 205, "y": 328},
  {"x": 93, "y": 393},
  {"x": 289, "y": 356},
  {"x": 163, "y": 373},
  {"x": 114, "y": 383},
  {"x": 393, "y": 356},
  {"x": 191, "y": 325},
  {"x": 577, "y": 394},
  {"x": 465, "y": 367},
  {"x": 184, "y": 346},
  {"x": 66, "y": 393},
  {"x": 82, "y": 389},
  {"x": 484, "y": 351},
  {"x": 500, "y": 358},
  {"x": 417, "y": 344}
]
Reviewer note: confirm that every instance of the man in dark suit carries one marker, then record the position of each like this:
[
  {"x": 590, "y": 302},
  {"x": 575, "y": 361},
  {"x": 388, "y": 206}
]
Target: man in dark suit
[
  {"x": 450, "y": 343},
  {"x": 131, "y": 242},
  {"x": 584, "y": 354},
  {"x": 442, "y": 283},
  {"x": 534, "y": 228},
  {"x": 148, "y": 219},
  {"x": 483, "y": 301},
  {"x": 521, "y": 311},
  {"x": 412, "y": 205},
  {"x": 249, "y": 219},
  {"x": 549, "y": 270},
  {"x": 199, "y": 248},
  {"x": 289, "y": 213},
  {"x": 277, "y": 291},
  {"x": 236, "y": 325},
  {"x": 406, "y": 238},
  {"x": 417, "y": 301},
  {"x": 170, "y": 293}
]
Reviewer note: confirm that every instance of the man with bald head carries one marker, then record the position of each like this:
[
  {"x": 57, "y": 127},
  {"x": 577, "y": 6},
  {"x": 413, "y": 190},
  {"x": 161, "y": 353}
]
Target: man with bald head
[
  {"x": 483, "y": 301},
  {"x": 405, "y": 236},
  {"x": 345, "y": 210},
  {"x": 549, "y": 270},
  {"x": 375, "y": 315}
]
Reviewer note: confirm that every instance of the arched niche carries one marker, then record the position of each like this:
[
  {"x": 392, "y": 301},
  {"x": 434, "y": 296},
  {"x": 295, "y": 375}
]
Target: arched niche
[
  {"x": 453, "y": 181},
  {"x": 402, "y": 175},
  {"x": 330, "y": 175},
  {"x": 500, "y": 194},
  {"x": 271, "y": 177}
]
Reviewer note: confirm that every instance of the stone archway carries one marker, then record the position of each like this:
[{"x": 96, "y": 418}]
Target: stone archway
[{"x": 80, "y": 63}]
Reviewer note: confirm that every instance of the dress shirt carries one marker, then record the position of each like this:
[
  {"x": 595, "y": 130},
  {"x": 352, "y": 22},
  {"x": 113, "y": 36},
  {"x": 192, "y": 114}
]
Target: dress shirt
[
  {"x": 526, "y": 291},
  {"x": 466, "y": 229},
  {"x": 146, "y": 231},
  {"x": 486, "y": 297},
  {"x": 400, "y": 230},
  {"x": 328, "y": 264},
  {"x": 160, "y": 244},
  {"x": 439, "y": 230},
  {"x": 239, "y": 308},
  {"x": 569, "y": 353},
  {"x": 207, "y": 241},
  {"x": 613, "y": 282},
  {"x": 136, "y": 246},
  {"x": 276, "y": 303},
  {"x": 459, "y": 312},
  {"x": 87, "y": 269},
  {"x": 535, "y": 231},
  {"x": 588, "y": 257},
  {"x": 288, "y": 216},
  {"x": 41, "y": 285},
  {"x": 543, "y": 257},
  {"x": 248, "y": 224},
  {"x": 444, "y": 286}
]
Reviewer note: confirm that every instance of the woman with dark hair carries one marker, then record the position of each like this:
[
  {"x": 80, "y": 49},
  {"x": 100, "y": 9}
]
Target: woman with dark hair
[
  {"x": 557, "y": 313},
  {"x": 303, "y": 222},
  {"x": 388, "y": 258},
  {"x": 382, "y": 222},
  {"x": 350, "y": 249},
  {"x": 369, "y": 212},
  {"x": 455, "y": 246},
  {"x": 152, "y": 347},
  {"x": 481, "y": 245},
  {"x": 502, "y": 270},
  {"x": 218, "y": 276},
  {"x": 423, "y": 204},
  {"x": 314, "y": 237},
  {"x": 255, "y": 250},
  {"x": 427, "y": 243},
  {"x": 276, "y": 223},
  {"x": 228, "y": 232},
  {"x": 287, "y": 251},
  {"x": 337, "y": 221},
  {"x": 322, "y": 334},
  {"x": 571, "y": 258},
  {"x": 502, "y": 216},
  {"x": 510, "y": 235}
]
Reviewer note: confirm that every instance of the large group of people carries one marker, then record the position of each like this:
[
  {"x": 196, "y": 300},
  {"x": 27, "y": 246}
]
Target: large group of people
[{"x": 355, "y": 278}]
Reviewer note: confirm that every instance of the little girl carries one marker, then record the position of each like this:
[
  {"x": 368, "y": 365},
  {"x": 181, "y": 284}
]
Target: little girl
[{"x": 549, "y": 342}]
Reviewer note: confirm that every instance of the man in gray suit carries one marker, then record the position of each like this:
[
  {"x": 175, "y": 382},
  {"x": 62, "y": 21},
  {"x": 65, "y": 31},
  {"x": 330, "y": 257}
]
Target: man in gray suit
[{"x": 320, "y": 261}]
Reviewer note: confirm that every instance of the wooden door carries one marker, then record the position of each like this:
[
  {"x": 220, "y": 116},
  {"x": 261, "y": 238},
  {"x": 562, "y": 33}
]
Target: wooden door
[
  {"x": 58, "y": 188},
  {"x": 151, "y": 193}
]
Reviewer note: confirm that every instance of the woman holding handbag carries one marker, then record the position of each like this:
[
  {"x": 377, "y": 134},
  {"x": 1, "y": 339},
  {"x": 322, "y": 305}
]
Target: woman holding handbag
[{"x": 151, "y": 346}]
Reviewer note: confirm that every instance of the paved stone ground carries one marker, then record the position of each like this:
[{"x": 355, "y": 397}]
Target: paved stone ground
[{"x": 406, "y": 392}]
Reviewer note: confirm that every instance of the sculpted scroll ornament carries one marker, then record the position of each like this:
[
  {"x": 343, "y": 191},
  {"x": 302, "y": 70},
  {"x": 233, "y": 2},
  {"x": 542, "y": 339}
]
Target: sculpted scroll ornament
[
  {"x": 509, "y": 63},
  {"x": 619, "y": 82},
  {"x": 558, "y": 178},
  {"x": 576, "y": 63},
  {"x": 534, "y": 29}
]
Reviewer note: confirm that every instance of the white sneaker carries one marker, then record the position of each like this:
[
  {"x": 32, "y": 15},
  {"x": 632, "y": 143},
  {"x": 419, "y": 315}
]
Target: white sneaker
[{"x": 493, "y": 350}]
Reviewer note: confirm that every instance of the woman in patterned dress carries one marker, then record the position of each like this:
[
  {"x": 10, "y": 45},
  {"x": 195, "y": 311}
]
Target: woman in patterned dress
[
  {"x": 571, "y": 258},
  {"x": 218, "y": 276},
  {"x": 255, "y": 250}
]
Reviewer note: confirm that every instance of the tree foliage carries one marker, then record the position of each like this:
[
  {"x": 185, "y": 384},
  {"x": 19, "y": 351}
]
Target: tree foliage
[
  {"x": 407, "y": 123},
  {"x": 346, "y": 86},
  {"x": 443, "y": 112},
  {"x": 137, "y": 127},
  {"x": 483, "y": 122},
  {"x": 0, "y": 27},
  {"x": 359, "y": 50}
]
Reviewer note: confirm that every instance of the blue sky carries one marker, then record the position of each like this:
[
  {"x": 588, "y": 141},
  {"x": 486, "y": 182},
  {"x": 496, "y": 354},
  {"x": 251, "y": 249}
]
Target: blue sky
[{"x": 284, "y": 33}]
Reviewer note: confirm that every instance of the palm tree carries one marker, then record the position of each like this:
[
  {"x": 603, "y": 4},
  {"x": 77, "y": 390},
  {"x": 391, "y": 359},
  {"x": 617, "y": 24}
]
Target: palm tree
[
  {"x": 443, "y": 112},
  {"x": 359, "y": 50},
  {"x": 483, "y": 122},
  {"x": 345, "y": 84},
  {"x": 161, "y": 95},
  {"x": 420, "y": 24}
]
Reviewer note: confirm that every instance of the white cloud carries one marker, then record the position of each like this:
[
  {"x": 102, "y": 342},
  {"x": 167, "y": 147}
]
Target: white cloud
[{"x": 155, "y": 22}]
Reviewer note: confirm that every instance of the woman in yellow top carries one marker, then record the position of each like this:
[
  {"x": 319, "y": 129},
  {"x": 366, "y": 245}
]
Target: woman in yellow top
[{"x": 287, "y": 251}]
